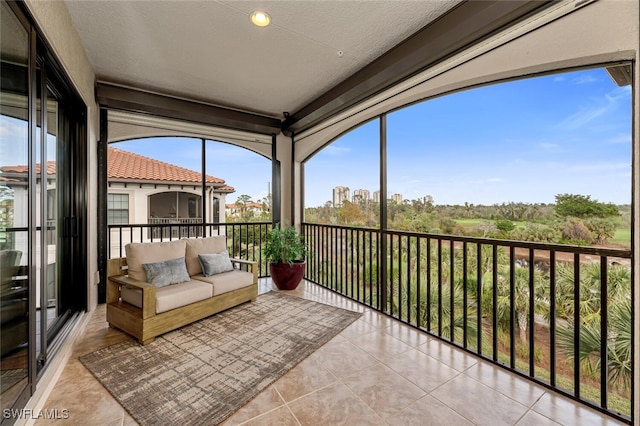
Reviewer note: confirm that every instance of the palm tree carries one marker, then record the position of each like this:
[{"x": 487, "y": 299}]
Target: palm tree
[
  {"x": 524, "y": 318},
  {"x": 619, "y": 324},
  {"x": 618, "y": 345}
]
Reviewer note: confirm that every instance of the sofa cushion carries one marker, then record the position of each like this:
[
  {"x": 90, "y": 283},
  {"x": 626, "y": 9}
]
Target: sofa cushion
[
  {"x": 227, "y": 281},
  {"x": 196, "y": 246},
  {"x": 171, "y": 296},
  {"x": 140, "y": 253},
  {"x": 215, "y": 263},
  {"x": 169, "y": 272}
]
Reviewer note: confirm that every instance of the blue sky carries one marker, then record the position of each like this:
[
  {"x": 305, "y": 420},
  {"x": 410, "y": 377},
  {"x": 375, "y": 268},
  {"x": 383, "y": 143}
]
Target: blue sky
[
  {"x": 520, "y": 141},
  {"x": 249, "y": 173}
]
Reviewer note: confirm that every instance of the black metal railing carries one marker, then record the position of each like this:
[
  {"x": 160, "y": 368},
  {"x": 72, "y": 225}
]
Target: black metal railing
[
  {"x": 538, "y": 310},
  {"x": 244, "y": 240}
]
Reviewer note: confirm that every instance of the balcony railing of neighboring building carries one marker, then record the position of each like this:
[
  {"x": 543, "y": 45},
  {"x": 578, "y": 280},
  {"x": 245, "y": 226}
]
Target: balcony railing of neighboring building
[
  {"x": 244, "y": 240},
  {"x": 178, "y": 227},
  {"x": 527, "y": 307}
]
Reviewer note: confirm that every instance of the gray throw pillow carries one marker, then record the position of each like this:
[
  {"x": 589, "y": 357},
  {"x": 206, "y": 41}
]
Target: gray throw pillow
[
  {"x": 215, "y": 263},
  {"x": 165, "y": 273}
]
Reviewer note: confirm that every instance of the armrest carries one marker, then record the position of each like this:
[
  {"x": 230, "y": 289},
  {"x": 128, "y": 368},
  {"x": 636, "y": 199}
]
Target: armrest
[
  {"x": 148, "y": 293},
  {"x": 251, "y": 264}
]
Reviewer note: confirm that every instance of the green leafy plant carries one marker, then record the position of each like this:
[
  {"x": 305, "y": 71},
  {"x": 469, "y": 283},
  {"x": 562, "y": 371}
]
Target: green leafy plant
[{"x": 284, "y": 245}]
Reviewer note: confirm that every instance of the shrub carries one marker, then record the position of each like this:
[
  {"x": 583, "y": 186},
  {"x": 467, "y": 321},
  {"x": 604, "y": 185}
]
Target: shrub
[{"x": 576, "y": 231}]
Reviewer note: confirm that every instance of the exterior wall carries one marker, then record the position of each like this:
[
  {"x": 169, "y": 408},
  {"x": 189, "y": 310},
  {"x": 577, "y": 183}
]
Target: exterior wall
[
  {"x": 139, "y": 200},
  {"x": 601, "y": 32},
  {"x": 139, "y": 213}
]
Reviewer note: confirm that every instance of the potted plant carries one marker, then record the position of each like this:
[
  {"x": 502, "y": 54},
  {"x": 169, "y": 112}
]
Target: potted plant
[{"x": 285, "y": 251}]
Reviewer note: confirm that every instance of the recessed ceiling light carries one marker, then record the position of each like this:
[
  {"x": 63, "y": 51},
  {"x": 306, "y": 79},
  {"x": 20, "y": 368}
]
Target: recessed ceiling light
[{"x": 260, "y": 18}]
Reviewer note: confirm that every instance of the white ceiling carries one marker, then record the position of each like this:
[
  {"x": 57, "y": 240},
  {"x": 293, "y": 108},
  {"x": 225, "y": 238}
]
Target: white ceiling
[{"x": 209, "y": 51}]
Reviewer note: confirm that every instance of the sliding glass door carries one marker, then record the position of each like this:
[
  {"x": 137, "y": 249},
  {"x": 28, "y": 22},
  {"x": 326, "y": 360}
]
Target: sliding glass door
[
  {"x": 42, "y": 207},
  {"x": 14, "y": 211}
]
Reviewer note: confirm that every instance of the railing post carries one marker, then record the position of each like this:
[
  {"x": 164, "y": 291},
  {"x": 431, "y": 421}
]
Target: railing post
[{"x": 382, "y": 264}]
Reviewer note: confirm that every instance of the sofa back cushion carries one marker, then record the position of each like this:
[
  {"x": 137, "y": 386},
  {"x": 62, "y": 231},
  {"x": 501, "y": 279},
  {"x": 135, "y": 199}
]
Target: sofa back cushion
[
  {"x": 140, "y": 253},
  {"x": 197, "y": 246}
]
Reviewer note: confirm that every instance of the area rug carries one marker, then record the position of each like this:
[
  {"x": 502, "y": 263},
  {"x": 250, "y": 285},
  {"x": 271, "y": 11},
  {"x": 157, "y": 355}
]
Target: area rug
[{"x": 204, "y": 372}]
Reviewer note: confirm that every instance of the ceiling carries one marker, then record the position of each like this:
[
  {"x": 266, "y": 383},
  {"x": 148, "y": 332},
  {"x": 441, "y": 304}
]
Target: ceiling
[
  {"x": 210, "y": 51},
  {"x": 316, "y": 57}
]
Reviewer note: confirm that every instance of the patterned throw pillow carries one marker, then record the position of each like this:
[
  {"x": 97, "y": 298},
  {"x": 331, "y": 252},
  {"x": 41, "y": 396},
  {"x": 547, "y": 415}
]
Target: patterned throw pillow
[
  {"x": 215, "y": 263},
  {"x": 165, "y": 273}
]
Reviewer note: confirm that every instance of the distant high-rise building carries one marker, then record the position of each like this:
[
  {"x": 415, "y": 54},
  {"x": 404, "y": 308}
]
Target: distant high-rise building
[
  {"x": 397, "y": 198},
  {"x": 361, "y": 196},
  {"x": 376, "y": 196},
  {"x": 340, "y": 194}
]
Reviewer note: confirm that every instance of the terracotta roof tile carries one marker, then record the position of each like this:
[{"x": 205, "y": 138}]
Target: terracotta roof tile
[
  {"x": 51, "y": 168},
  {"x": 124, "y": 165},
  {"x": 127, "y": 165}
]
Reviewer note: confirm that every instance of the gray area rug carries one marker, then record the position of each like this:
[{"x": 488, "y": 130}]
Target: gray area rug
[{"x": 204, "y": 372}]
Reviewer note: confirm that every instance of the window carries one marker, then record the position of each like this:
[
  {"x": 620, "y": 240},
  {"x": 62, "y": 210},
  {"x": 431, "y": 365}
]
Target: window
[
  {"x": 117, "y": 209},
  {"x": 342, "y": 180}
]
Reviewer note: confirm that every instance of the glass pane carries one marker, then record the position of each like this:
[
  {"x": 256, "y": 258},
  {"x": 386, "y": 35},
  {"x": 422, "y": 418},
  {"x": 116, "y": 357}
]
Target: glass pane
[
  {"x": 246, "y": 196},
  {"x": 342, "y": 180},
  {"x": 14, "y": 195},
  {"x": 545, "y": 160},
  {"x": 117, "y": 209},
  {"x": 166, "y": 172},
  {"x": 40, "y": 245},
  {"x": 50, "y": 178},
  {"x": 492, "y": 161}
]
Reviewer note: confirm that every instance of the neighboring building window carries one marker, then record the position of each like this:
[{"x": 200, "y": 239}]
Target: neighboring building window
[{"x": 117, "y": 209}]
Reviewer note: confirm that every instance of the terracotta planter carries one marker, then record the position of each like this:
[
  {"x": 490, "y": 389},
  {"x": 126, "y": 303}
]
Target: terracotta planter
[{"x": 287, "y": 276}]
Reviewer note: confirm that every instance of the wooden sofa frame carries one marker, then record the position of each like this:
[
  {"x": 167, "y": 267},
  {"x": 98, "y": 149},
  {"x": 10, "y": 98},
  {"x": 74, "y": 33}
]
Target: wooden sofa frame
[{"x": 144, "y": 324}]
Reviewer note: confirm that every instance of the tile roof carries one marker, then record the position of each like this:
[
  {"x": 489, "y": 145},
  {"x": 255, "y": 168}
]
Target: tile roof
[
  {"x": 51, "y": 168},
  {"x": 124, "y": 165},
  {"x": 127, "y": 165}
]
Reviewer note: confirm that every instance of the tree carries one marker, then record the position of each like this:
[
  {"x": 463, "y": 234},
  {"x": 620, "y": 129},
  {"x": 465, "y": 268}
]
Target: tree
[
  {"x": 619, "y": 345},
  {"x": 572, "y": 205},
  {"x": 601, "y": 229},
  {"x": 505, "y": 225},
  {"x": 242, "y": 202},
  {"x": 350, "y": 214}
]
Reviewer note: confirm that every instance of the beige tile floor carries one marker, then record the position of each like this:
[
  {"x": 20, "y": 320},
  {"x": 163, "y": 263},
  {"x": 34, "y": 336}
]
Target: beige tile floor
[{"x": 376, "y": 372}]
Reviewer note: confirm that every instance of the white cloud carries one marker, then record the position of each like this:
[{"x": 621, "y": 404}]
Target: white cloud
[
  {"x": 584, "y": 79},
  {"x": 547, "y": 145},
  {"x": 493, "y": 180},
  {"x": 336, "y": 150},
  {"x": 596, "y": 108},
  {"x": 584, "y": 116},
  {"x": 597, "y": 167},
  {"x": 620, "y": 139},
  {"x": 13, "y": 146}
]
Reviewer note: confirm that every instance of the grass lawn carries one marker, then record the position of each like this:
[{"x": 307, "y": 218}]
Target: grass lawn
[{"x": 622, "y": 237}]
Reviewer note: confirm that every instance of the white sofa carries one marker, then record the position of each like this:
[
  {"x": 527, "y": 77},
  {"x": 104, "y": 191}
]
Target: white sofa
[{"x": 153, "y": 291}]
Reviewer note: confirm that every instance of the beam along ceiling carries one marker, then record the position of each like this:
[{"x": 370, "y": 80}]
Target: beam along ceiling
[
  {"x": 209, "y": 51},
  {"x": 316, "y": 58}
]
